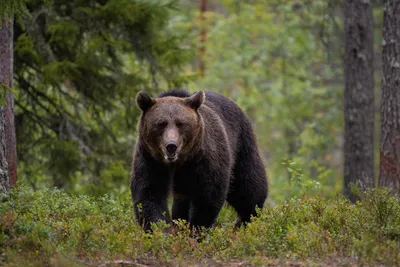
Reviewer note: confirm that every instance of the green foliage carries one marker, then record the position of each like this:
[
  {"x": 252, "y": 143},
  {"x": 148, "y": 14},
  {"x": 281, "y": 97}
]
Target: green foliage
[
  {"x": 297, "y": 185},
  {"x": 50, "y": 226},
  {"x": 3, "y": 92},
  {"x": 16, "y": 7},
  {"x": 278, "y": 61},
  {"x": 78, "y": 67},
  {"x": 11, "y": 7}
]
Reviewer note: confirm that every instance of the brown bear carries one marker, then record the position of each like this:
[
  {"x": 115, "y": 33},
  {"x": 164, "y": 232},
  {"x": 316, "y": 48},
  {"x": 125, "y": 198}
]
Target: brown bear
[{"x": 202, "y": 148}]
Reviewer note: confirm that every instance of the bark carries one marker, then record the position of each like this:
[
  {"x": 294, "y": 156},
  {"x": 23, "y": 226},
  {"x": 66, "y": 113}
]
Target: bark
[
  {"x": 10, "y": 139},
  {"x": 6, "y": 76},
  {"x": 4, "y": 180},
  {"x": 390, "y": 105},
  {"x": 358, "y": 96},
  {"x": 203, "y": 8},
  {"x": 5, "y": 79},
  {"x": 9, "y": 130}
]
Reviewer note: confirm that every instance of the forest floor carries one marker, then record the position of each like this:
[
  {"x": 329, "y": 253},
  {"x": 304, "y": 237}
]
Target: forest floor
[
  {"x": 145, "y": 262},
  {"x": 53, "y": 228}
]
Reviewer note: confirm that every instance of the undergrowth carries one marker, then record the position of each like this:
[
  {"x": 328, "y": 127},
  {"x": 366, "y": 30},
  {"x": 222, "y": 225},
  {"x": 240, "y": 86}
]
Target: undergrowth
[{"x": 50, "y": 227}]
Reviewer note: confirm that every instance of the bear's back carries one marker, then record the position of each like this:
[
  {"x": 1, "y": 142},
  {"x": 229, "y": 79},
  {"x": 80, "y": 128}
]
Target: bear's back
[{"x": 230, "y": 113}]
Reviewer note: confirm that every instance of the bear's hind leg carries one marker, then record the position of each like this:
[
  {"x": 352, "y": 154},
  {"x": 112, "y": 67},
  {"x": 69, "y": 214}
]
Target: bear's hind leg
[{"x": 249, "y": 187}]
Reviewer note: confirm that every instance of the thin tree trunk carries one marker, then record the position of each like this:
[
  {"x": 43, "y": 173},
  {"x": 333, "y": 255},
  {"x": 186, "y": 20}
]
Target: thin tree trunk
[
  {"x": 203, "y": 8},
  {"x": 6, "y": 73},
  {"x": 10, "y": 138},
  {"x": 390, "y": 105},
  {"x": 358, "y": 96},
  {"x": 4, "y": 180}
]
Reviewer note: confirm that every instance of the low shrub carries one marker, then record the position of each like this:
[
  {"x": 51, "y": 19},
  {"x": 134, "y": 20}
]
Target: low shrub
[{"x": 50, "y": 226}]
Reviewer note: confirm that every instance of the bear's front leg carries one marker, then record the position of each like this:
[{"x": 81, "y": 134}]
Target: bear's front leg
[
  {"x": 149, "y": 188},
  {"x": 180, "y": 208},
  {"x": 205, "y": 211},
  {"x": 149, "y": 209},
  {"x": 207, "y": 204}
]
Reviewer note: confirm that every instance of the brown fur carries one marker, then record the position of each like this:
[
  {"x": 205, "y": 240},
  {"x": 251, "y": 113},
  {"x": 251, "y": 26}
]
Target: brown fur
[{"x": 204, "y": 147}]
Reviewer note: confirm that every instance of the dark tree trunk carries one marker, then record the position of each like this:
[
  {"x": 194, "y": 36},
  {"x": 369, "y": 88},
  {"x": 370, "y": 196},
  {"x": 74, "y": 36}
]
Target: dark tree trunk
[
  {"x": 7, "y": 130},
  {"x": 390, "y": 106},
  {"x": 358, "y": 96}
]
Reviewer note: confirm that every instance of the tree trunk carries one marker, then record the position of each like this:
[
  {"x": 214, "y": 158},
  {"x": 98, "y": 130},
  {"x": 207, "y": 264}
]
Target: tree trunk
[
  {"x": 7, "y": 130},
  {"x": 203, "y": 8},
  {"x": 4, "y": 180},
  {"x": 390, "y": 105},
  {"x": 358, "y": 96}
]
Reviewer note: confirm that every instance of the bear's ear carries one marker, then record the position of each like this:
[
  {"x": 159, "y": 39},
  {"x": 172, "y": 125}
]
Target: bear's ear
[
  {"x": 195, "y": 100},
  {"x": 144, "y": 101}
]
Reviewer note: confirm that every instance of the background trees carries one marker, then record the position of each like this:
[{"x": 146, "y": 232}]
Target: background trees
[
  {"x": 390, "y": 106},
  {"x": 78, "y": 66},
  {"x": 281, "y": 62}
]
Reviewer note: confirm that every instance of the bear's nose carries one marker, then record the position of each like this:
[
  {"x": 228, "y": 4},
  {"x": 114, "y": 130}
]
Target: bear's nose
[{"x": 171, "y": 147}]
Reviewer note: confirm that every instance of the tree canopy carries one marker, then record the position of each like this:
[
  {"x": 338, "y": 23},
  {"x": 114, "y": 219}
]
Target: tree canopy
[{"x": 78, "y": 66}]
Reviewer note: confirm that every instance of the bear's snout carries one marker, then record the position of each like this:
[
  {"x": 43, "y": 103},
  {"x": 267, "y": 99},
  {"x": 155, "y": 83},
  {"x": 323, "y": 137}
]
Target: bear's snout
[
  {"x": 171, "y": 148},
  {"x": 171, "y": 152}
]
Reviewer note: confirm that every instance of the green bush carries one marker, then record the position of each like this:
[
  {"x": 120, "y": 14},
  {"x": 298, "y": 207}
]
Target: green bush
[{"x": 51, "y": 227}]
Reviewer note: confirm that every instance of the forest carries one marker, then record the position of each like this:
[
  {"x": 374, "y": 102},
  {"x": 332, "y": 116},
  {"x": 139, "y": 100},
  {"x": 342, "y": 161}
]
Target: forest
[{"x": 319, "y": 80}]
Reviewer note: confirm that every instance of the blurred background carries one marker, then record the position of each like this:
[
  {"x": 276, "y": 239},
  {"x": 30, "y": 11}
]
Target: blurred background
[{"x": 79, "y": 64}]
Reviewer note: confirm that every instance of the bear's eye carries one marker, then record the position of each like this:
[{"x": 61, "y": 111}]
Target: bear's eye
[
  {"x": 162, "y": 124},
  {"x": 181, "y": 124}
]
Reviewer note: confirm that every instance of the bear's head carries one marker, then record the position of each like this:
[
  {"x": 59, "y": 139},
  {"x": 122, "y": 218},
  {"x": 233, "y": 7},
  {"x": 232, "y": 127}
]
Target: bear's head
[{"x": 170, "y": 126}]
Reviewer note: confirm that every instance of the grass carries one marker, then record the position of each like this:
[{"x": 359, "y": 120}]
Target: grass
[{"x": 53, "y": 228}]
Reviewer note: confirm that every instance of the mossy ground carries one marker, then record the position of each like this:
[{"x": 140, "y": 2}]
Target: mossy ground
[{"x": 53, "y": 228}]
